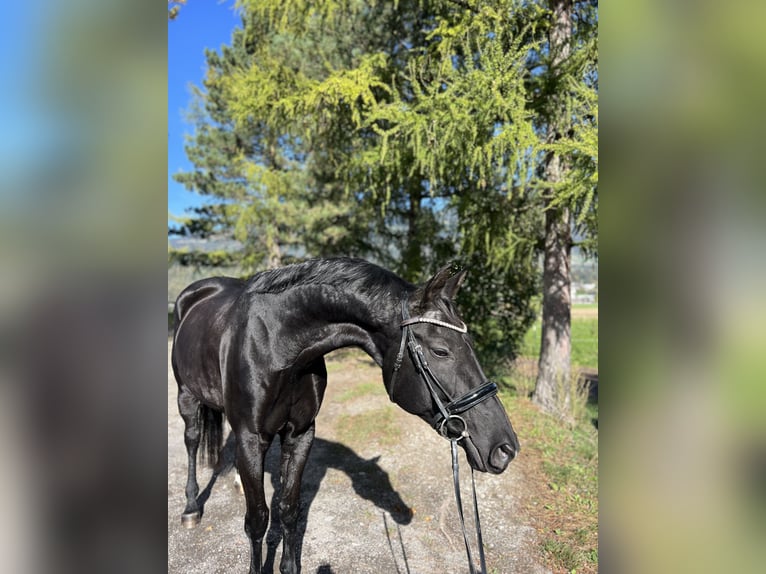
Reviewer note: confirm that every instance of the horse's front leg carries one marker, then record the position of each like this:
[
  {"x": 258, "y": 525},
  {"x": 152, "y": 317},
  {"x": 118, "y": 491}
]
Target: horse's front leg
[
  {"x": 295, "y": 452},
  {"x": 251, "y": 453}
]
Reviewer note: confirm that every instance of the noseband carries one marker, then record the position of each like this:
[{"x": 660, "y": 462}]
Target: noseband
[{"x": 447, "y": 412}]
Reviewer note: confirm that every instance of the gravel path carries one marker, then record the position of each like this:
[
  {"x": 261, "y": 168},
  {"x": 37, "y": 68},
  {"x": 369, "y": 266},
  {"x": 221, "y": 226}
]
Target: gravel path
[{"x": 377, "y": 495}]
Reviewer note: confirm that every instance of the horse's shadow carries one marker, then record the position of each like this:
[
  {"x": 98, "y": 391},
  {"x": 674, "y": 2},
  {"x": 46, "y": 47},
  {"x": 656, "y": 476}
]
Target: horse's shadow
[{"x": 368, "y": 479}]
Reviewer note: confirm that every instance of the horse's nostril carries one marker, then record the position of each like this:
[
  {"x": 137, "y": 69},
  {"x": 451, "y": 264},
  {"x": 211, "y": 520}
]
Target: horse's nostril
[
  {"x": 509, "y": 450},
  {"x": 502, "y": 456}
]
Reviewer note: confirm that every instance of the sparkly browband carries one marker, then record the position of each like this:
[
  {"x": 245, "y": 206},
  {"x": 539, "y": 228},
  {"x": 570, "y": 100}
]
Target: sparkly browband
[{"x": 460, "y": 329}]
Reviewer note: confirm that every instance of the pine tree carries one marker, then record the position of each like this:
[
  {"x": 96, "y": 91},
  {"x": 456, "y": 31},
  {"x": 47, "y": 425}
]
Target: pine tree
[{"x": 263, "y": 189}]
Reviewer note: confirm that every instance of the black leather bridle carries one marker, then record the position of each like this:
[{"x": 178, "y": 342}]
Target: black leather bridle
[{"x": 449, "y": 410}]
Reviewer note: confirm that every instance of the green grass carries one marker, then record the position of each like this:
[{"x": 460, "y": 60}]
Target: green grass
[
  {"x": 561, "y": 465},
  {"x": 584, "y": 342},
  {"x": 564, "y": 553},
  {"x": 561, "y": 459}
]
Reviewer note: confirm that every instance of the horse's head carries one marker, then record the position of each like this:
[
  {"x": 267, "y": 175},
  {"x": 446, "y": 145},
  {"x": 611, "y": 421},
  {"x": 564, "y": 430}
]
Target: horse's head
[{"x": 432, "y": 372}]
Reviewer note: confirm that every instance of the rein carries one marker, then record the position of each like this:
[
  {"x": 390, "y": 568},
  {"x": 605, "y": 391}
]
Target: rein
[{"x": 447, "y": 412}]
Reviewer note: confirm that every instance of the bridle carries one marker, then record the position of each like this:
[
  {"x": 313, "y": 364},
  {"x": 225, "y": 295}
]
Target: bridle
[
  {"x": 448, "y": 411},
  {"x": 453, "y": 408}
]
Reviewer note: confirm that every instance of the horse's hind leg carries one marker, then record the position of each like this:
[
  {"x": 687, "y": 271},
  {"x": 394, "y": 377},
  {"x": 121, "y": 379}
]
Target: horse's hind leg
[
  {"x": 251, "y": 453},
  {"x": 295, "y": 452},
  {"x": 189, "y": 407},
  {"x": 237, "y": 479}
]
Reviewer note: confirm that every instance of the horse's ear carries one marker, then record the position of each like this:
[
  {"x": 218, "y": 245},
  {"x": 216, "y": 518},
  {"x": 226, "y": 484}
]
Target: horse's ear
[{"x": 445, "y": 283}]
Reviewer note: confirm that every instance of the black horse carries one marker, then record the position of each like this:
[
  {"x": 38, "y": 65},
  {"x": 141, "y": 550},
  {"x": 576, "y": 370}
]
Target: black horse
[{"x": 254, "y": 350}]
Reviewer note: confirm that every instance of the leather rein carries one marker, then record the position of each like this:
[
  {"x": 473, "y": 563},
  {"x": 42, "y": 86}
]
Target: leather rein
[{"x": 448, "y": 411}]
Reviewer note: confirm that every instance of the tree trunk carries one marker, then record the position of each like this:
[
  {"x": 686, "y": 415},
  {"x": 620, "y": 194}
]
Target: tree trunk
[
  {"x": 413, "y": 250},
  {"x": 275, "y": 253},
  {"x": 273, "y": 249},
  {"x": 553, "y": 388}
]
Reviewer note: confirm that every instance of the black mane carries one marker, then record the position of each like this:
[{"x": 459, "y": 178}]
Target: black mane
[{"x": 350, "y": 274}]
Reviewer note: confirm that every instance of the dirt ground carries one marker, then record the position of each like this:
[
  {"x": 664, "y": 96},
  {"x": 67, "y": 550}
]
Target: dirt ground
[
  {"x": 585, "y": 312},
  {"x": 377, "y": 495}
]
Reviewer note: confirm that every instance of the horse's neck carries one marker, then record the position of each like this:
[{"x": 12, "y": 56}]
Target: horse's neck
[{"x": 331, "y": 318}]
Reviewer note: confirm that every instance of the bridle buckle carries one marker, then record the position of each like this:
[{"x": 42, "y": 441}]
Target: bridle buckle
[{"x": 445, "y": 431}]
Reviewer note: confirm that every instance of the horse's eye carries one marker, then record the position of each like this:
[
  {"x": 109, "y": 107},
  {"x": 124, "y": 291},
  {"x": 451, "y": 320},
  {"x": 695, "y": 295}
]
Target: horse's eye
[{"x": 439, "y": 352}]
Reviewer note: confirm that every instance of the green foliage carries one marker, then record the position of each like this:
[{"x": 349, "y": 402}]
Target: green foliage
[
  {"x": 579, "y": 188},
  {"x": 497, "y": 306},
  {"x": 260, "y": 189},
  {"x": 187, "y": 257},
  {"x": 439, "y": 114}
]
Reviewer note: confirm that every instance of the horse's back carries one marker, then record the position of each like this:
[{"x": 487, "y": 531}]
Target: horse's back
[{"x": 200, "y": 322}]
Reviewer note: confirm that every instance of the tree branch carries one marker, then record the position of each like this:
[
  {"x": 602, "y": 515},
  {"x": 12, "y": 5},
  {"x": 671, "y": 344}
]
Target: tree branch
[{"x": 465, "y": 5}]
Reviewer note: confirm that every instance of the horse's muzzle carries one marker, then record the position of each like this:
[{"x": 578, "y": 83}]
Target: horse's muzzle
[{"x": 501, "y": 457}]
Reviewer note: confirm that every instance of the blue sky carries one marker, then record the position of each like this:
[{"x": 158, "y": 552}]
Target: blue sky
[
  {"x": 200, "y": 24},
  {"x": 24, "y": 128}
]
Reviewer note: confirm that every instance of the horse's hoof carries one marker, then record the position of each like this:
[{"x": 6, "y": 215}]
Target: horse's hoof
[{"x": 191, "y": 519}]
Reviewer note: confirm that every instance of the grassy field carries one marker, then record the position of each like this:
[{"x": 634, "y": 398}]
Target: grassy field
[
  {"x": 560, "y": 460},
  {"x": 584, "y": 338}
]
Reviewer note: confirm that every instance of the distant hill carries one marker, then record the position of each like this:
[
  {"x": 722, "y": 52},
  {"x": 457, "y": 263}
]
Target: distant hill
[{"x": 210, "y": 244}]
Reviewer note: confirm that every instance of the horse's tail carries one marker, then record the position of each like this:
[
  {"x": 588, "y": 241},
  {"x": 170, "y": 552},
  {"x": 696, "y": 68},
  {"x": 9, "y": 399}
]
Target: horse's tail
[{"x": 211, "y": 440}]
